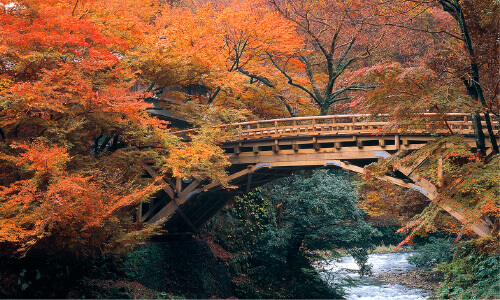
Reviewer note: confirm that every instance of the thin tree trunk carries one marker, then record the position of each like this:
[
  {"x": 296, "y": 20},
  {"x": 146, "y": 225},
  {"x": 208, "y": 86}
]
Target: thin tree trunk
[{"x": 478, "y": 133}]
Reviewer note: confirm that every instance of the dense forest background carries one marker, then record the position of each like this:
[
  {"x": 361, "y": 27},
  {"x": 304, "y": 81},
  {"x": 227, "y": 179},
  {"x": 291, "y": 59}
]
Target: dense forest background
[{"x": 77, "y": 78}]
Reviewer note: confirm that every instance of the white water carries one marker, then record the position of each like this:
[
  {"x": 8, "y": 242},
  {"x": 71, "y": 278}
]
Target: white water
[{"x": 371, "y": 287}]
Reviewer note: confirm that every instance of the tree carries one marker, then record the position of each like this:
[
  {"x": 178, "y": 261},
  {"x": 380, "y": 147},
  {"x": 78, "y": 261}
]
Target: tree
[
  {"x": 283, "y": 223},
  {"x": 337, "y": 36},
  {"x": 320, "y": 212},
  {"x": 486, "y": 31},
  {"x": 65, "y": 83},
  {"x": 461, "y": 58},
  {"x": 223, "y": 46},
  {"x": 437, "y": 84}
]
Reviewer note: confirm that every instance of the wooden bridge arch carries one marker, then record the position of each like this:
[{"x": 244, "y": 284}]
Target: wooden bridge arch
[{"x": 261, "y": 151}]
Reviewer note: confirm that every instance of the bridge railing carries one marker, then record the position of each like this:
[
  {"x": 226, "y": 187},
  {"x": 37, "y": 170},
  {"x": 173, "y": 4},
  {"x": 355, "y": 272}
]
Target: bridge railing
[{"x": 351, "y": 124}]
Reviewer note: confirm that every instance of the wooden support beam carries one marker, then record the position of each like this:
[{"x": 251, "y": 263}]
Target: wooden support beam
[
  {"x": 186, "y": 219},
  {"x": 440, "y": 172},
  {"x": 185, "y": 194},
  {"x": 178, "y": 185},
  {"x": 138, "y": 217},
  {"x": 454, "y": 208},
  {"x": 153, "y": 207},
  {"x": 239, "y": 174},
  {"x": 169, "y": 209},
  {"x": 165, "y": 186}
]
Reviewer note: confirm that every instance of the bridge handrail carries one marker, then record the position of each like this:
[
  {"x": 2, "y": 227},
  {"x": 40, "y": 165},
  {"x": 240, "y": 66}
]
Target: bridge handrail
[
  {"x": 338, "y": 117},
  {"x": 259, "y": 129}
]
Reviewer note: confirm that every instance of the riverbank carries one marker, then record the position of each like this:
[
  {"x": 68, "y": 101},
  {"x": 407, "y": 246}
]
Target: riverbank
[
  {"x": 417, "y": 278},
  {"x": 393, "y": 277}
]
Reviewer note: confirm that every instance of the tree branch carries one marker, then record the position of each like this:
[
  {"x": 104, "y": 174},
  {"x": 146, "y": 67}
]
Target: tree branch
[
  {"x": 317, "y": 92},
  {"x": 290, "y": 80},
  {"x": 262, "y": 79}
]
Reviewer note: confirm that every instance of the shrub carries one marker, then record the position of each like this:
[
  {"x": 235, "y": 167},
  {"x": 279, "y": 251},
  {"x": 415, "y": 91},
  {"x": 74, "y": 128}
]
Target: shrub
[
  {"x": 438, "y": 250},
  {"x": 472, "y": 274}
]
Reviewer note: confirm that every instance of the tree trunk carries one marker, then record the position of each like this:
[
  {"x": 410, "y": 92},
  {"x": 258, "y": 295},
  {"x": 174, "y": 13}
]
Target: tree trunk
[
  {"x": 293, "y": 251},
  {"x": 324, "y": 110},
  {"x": 478, "y": 133}
]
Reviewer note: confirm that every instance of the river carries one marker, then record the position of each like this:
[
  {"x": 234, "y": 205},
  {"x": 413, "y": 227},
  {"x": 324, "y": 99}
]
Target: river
[{"x": 370, "y": 287}]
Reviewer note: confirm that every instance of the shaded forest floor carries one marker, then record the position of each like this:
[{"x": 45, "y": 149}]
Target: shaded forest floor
[{"x": 189, "y": 268}]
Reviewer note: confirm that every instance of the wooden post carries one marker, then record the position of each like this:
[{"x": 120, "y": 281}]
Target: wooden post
[
  {"x": 440, "y": 172},
  {"x": 276, "y": 147},
  {"x": 138, "y": 217},
  {"x": 315, "y": 144},
  {"x": 397, "y": 142}
]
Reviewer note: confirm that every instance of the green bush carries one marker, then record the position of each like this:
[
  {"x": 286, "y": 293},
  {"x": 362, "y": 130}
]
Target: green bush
[
  {"x": 471, "y": 274},
  {"x": 438, "y": 250}
]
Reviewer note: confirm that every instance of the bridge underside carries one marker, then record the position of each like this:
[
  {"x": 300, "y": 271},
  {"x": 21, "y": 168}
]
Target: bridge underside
[{"x": 188, "y": 205}]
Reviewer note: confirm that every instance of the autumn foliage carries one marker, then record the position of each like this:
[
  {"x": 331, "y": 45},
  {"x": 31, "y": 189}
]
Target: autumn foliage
[
  {"x": 71, "y": 127},
  {"x": 65, "y": 83}
]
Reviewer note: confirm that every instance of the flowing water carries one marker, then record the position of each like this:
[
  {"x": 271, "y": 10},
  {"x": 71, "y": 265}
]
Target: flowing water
[{"x": 370, "y": 287}]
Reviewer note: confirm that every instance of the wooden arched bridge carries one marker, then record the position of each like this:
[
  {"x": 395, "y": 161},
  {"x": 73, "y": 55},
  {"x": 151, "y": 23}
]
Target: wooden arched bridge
[{"x": 261, "y": 151}]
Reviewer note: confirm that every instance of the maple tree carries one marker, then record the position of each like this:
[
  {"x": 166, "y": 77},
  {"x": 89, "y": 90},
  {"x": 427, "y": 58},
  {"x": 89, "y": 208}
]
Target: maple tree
[
  {"x": 461, "y": 60},
  {"x": 65, "y": 84},
  {"x": 339, "y": 37},
  {"x": 222, "y": 46}
]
